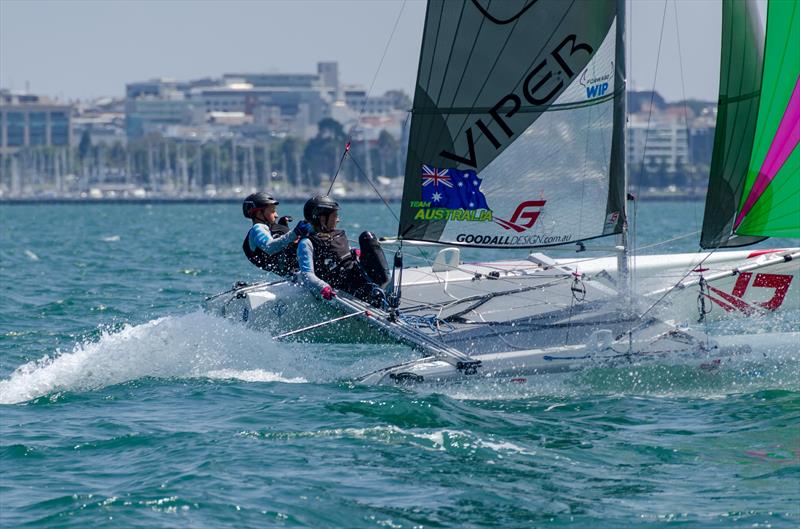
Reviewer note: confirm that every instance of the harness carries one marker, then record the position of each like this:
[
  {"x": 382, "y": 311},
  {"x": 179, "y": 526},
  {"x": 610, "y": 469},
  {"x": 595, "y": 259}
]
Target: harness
[
  {"x": 333, "y": 262},
  {"x": 283, "y": 263}
]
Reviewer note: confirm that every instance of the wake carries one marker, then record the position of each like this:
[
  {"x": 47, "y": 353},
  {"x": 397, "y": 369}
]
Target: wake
[
  {"x": 190, "y": 346},
  {"x": 200, "y": 345}
]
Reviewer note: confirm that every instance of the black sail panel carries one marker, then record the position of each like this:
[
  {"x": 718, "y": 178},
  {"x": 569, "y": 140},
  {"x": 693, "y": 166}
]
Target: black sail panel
[{"x": 516, "y": 133}]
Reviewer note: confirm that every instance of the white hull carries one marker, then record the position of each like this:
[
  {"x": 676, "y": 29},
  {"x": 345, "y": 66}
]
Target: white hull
[
  {"x": 278, "y": 307},
  {"x": 673, "y": 348},
  {"x": 512, "y": 319},
  {"x": 741, "y": 284}
]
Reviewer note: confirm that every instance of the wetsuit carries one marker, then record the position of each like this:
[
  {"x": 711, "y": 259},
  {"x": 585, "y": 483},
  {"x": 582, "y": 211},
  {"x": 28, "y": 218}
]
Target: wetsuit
[{"x": 271, "y": 248}]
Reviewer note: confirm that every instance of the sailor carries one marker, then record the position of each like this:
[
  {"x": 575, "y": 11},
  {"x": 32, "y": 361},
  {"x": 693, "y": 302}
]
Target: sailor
[
  {"x": 327, "y": 261},
  {"x": 269, "y": 243}
]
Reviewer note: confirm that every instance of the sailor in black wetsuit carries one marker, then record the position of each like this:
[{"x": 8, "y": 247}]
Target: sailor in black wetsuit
[
  {"x": 271, "y": 245},
  {"x": 326, "y": 260}
]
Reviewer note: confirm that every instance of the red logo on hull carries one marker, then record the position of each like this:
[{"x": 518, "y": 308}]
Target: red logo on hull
[
  {"x": 528, "y": 211},
  {"x": 732, "y": 302}
]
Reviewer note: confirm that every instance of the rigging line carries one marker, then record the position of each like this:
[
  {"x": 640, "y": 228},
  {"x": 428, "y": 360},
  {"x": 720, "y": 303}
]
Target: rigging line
[
  {"x": 650, "y": 110},
  {"x": 632, "y": 270},
  {"x": 685, "y": 106},
  {"x": 629, "y": 56},
  {"x": 372, "y": 185},
  {"x": 383, "y": 57},
  {"x": 520, "y": 278},
  {"x": 481, "y": 299},
  {"x": 438, "y": 306},
  {"x": 482, "y": 292},
  {"x": 369, "y": 91},
  {"x": 684, "y": 236},
  {"x": 339, "y": 167},
  {"x": 668, "y": 292},
  {"x": 542, "y": 303},
  {"x": 500, "y": 337},
  {"x": 507, "y": 280},
  {"x": 585, "y": 159}
]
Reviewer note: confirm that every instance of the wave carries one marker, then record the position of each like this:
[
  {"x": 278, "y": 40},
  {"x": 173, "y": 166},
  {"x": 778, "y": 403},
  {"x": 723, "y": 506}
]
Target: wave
[
  {"x": 434, "y": 439},
  {"x": 189, "y": 346},
  {"x": 200, "y": 345}
]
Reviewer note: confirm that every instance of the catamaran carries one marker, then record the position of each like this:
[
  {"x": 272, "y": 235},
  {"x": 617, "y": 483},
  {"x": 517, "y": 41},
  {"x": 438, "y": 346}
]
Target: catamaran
[{"x": 517, "y": 140}]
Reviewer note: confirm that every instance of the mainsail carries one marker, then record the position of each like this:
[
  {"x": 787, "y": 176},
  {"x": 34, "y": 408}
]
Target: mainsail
[
  {"x": 754, "y": 185},
  {"x": 517, "y": 129}
]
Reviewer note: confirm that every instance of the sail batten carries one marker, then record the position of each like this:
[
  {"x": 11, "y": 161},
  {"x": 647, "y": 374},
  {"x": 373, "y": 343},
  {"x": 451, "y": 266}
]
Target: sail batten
[{"x": 514, "y": 139}]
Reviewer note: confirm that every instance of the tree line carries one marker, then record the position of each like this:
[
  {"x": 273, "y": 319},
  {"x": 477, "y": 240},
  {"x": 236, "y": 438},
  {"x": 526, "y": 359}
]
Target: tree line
[{"x": 163, "y": 164}]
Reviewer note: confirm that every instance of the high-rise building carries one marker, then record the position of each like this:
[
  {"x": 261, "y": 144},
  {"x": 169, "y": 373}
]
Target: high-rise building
[
  {"x": 28, "y": 120},
  {"x": 659, "y": 147},
  {"x": 329, "y": 75}
]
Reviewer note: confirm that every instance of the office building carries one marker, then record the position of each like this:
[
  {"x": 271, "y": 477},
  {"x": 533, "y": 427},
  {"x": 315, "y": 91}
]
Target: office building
[{"x": 28, "y": 120}]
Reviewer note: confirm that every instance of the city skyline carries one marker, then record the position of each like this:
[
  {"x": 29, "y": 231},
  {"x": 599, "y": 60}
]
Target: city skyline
[{"x": 102, "y": 46}]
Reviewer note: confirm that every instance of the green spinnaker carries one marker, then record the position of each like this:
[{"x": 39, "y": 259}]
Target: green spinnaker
[
  {"x": 770, "y": 205},
  {"x": 741, "y": 62}
]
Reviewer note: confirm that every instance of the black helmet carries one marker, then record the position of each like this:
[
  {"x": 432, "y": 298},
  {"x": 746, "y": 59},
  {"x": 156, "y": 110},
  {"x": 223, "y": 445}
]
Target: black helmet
[
  {"x": 257, "y": 201},
  {"x": 319, "y": 205}
]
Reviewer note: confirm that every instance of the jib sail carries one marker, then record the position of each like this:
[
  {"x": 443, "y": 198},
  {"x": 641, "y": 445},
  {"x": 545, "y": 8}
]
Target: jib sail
[
  {"x": 754, "y": 185},
  {"x": 517, "y": 128}
]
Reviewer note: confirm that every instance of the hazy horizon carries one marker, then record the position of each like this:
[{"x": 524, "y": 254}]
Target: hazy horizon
[{"x": 87, "y": 49}]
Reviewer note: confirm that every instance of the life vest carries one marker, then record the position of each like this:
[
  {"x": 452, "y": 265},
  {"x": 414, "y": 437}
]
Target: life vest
[
  {"x": 333, "y": 262},
  {"x": 282, "y": 263}
]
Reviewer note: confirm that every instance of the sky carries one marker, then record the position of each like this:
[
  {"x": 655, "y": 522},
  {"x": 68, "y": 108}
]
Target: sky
[{"x": 81, "y": 49}]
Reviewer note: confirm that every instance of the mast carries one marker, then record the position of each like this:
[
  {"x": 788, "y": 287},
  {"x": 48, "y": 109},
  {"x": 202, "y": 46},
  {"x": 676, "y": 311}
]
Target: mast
[{"x": 623, "y": 272}]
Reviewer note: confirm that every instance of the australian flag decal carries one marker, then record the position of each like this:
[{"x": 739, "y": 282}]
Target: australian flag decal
[{"x": 452, "y": 189}]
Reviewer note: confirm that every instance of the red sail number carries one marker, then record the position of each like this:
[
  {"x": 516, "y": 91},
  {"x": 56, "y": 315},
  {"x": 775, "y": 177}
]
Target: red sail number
[{"x": 779, "y": 283}]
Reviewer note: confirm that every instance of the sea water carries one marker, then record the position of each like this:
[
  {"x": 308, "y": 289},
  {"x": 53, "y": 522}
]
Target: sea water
[{"x": 122, "y": 404}]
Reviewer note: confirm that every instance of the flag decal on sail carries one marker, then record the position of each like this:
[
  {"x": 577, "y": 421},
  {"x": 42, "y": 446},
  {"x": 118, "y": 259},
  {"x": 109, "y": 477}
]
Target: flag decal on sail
[
  {"x": 431, "y": 175},
  {"x": 450, "y": 194},
  {"x": 451, "y": 188}
]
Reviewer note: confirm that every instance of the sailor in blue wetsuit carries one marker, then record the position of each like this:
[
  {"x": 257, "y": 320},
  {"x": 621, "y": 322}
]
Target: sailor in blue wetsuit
[
  {"x": 269, "y": 243},
  {"x": 327, "y": 262}
]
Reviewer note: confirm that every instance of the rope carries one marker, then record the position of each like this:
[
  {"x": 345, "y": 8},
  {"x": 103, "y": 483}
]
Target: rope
[
  {"x": 428, "y": 321},
  {"x": 650, "y": 110},
  {"x": 372, "y": 185},
  {"x": 369, "y": 91},
  {"x": 385, "y": 51},
  {"x": 321, "y": 324},
  {"x": 683, "y": 95},
  {"x": 701, "y": 300},
  {"x": 485, "y": 298},
  {"x": 668, "y": 292},
  {"x": 679, "y": 237},
  {"x": 341, "y": 161},
  {"x": 244, "y": 287}
]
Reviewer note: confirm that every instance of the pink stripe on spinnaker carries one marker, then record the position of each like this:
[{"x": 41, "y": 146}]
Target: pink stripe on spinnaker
[{"x": 786, "y": 139}]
